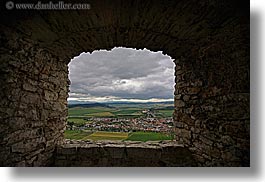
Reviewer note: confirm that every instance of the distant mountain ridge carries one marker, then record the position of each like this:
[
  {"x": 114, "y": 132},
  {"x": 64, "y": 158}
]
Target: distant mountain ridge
[
  {"x": 112, "y": 104},
  {"x": 165, "y": 102},
  {"x": 87, "y": 105}
]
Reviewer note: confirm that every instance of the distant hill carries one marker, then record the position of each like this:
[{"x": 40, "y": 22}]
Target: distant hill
[
  {"x": 120, "y": 104},
  {"x": 87, "y": 105},
  {"x": 166, "y": 108}
]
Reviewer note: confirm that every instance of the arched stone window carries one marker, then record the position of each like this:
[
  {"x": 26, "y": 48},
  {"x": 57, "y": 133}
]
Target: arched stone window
[
  {"x": 208, "y": 41},
  {"x": 121, "y": 94}
]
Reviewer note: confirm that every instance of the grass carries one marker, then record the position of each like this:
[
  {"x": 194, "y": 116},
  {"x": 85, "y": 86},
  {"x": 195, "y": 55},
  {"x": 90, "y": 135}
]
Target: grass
[
  {"x": 127, "y": 111},
  {"x": 101, "y": 135},
  {"x": 78, "y": 111},
  {"x": 148, "y": 136},
  {"x": 76, "y": 134},
  {"x": 101, "y": 114},
  {"x": 166, "y": 113},
  {"x": 77, "y": 120}
]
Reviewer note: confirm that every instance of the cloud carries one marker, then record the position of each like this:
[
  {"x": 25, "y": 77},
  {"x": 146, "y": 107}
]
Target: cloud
[{"x": 122, "y": 73}]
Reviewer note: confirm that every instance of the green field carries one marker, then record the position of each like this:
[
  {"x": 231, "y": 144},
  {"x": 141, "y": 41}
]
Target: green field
[
  {"x": 76, "y": 134},
  {"x": 101, "y": 114},
  {"x": 77, "y": 120},
  {"x": 127, "y": 111},
  {"x": 79, "y": 112},
  {"x": 166, "y": 112},
  {"x": 148, "y": 136},
  {"x": 102, "y": 135}
]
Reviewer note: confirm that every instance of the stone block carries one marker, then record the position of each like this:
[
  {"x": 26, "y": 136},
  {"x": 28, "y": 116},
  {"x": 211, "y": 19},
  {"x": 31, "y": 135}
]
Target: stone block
[
  {"x": 179, "y": 103},
  {"x": 178, "y": 97},
  {"x": 186, "y": 98},
  {"x": 29, "y": 87},
  {"x": 193, "y": 90}
]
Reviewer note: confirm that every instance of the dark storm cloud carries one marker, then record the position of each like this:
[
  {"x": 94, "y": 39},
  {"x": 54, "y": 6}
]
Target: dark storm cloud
[{"x": 121, "y": 73}]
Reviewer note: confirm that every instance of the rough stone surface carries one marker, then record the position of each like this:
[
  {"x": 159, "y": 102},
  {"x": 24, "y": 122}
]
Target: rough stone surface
[
  {"x": 212, "y": 115},
  {"x": 33, "y": 107},
  {"x": 209, "y": 41},
  {"x": 122, "y": 154}
]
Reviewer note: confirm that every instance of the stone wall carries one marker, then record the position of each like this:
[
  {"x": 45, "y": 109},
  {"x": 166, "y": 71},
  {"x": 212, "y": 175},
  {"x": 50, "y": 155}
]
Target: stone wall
[
  {"x": 209, "y": 41},
  {"x": 212, "y": 112},
  {"x": 122, "y": 154},
  {"x": 33, "y": 104}
]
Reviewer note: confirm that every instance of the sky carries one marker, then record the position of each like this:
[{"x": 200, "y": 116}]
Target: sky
[{"x": 121, "y": 75}]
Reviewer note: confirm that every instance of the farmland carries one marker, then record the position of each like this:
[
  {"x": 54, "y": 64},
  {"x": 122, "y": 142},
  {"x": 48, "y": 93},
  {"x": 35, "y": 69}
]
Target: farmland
[
  {"x": 76, "y": 134},
  {"x": 132, "y": 122},
  {"x": 148, "y": 136},
  {"x": 78, "y": 112},
  {"x": 100, "y": 135},
  {"x": 121, "y": 136},
  {"x": 77, "y": 120},
  {"x": 82, "y": 111}
]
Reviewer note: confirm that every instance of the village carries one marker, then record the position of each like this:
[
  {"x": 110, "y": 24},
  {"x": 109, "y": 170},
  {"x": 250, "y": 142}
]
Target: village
[
  {"x": 164, "y": 125},
  {"x": 150, "y": 123}
]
